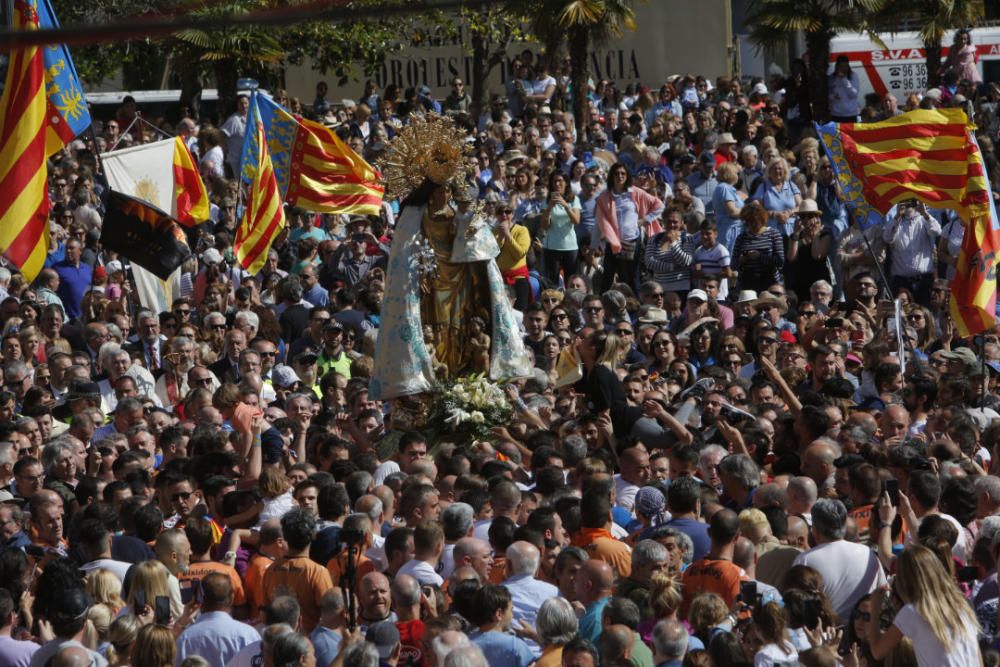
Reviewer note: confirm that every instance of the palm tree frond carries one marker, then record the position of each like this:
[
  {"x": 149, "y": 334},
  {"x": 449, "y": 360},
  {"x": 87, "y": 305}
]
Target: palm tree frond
[{"x": 582, "y": 12}]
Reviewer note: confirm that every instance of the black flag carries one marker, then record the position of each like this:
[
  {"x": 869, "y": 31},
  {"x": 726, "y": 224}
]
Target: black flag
[{"x": 144, "y": 234}]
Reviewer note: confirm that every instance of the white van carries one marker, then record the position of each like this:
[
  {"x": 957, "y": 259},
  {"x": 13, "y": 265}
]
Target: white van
[{"x": 901, "y": 69}]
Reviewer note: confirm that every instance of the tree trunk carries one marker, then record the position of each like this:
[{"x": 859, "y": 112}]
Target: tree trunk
[
  {"x": 480, "y": 72},
  {"x": 191, "y": 90},
  {"x": 579, "y": 53},
  {"x": 818, "y": 48},
  {"x": 225, "y": 83},
  {"x": 932, "y": 53}
]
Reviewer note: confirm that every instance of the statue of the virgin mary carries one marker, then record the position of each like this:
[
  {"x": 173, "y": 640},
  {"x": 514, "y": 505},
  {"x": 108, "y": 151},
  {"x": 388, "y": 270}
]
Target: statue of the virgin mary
[{"x": 442, "y": 272}]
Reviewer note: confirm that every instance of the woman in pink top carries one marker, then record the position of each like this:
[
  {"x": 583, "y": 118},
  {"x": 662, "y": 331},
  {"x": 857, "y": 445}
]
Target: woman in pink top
[{"x": 626, "y": 216}]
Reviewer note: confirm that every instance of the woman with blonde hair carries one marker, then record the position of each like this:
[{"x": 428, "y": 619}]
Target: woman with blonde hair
[
  {"x": 779, "y": 196},
  {"x": 155, "y": 646},
  {"x": 934, "y": 616},
  {"x": 121, "y": 637},
  {"x": 152, "y": 578},
  {"x": 105, "y": 588},
  {"x": 276, "y": 491},
  {"x": 664, "y": 600},
  {"x": 96, "y": 632},
  {"x": 707, "y": 611}
]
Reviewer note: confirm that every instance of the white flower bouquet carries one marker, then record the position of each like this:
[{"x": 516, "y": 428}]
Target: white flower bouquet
[{"x": 468, "y": 407}]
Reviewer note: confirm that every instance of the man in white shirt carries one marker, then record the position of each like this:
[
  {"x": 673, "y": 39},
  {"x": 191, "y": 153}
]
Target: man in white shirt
[
  {"x": 235, "y": 128},
  {"x": 850, "y": 571},
  {"x": 95, "y": 541},
  {"x": 635, "y": 472},
  {"x": 428, "y": 545},
  {"x": 527, "y": 593},
  {"x": 215, "y": 636}
]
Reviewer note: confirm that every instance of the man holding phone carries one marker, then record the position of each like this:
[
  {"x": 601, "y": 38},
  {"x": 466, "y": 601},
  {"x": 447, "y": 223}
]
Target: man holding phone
[{"x": 911, "y": 234}]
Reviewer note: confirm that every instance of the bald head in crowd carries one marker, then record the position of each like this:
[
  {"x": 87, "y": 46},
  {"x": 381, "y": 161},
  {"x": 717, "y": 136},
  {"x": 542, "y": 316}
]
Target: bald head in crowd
[
  {"x": 802, "y": 493},
  {"x": 594, "y": 581}
]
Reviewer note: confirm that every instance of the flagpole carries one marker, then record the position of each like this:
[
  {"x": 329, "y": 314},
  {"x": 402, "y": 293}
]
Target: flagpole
[{"x": 878, "y": 265}]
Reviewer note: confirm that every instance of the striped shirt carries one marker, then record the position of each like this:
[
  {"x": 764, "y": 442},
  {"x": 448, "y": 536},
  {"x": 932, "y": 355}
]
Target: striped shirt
[
  {"x": 713, "y": 260},
  {"x": 671, "y": 268},
  {"x": 766, "y": 266}
]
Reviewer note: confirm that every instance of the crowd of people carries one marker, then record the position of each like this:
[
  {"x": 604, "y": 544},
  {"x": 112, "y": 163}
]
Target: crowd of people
[{"x": 765, "y": 461}]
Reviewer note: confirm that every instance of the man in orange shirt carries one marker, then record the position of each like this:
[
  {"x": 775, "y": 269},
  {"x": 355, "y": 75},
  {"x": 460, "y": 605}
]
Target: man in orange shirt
[
  {"x": 357, "y": 524},
  {"x": 272, "y": 546},
  {"x": 199, "y": 534},
  {"x": 864, "y": 486},
  {"x": 595, "y": 534},
  {"x": 294, "y": 573},
  {"x": 716, "y": 572}
]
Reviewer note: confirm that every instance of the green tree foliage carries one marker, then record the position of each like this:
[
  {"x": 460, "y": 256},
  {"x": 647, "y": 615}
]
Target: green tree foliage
[
  {"x": 140, "y": 60},
  {"x": 773, "y": 22},
  {"x": 583, "y": 24}
]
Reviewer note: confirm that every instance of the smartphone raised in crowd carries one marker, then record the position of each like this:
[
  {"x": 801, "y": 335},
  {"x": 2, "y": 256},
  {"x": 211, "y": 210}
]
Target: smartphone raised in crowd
[
  {"x": 748, "y": 592},
  {"x": 161, "y": 613},
  {"x": 892, "y": 488}
]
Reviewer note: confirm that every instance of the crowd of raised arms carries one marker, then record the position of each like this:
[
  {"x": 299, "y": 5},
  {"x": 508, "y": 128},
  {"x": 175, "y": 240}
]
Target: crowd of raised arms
[{"x": 747, "y": 471}]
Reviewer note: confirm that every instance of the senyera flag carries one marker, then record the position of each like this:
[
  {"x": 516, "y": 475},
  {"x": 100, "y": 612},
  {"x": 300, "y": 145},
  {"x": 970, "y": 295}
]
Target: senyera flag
[
  {"x": 264, "y": 215},
  {"x": 314, "y": 169},
  {"x": 930, "y": 155}
]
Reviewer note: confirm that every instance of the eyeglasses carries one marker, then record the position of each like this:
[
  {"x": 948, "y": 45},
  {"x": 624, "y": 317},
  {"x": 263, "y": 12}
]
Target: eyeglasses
[
  {"x": 662, "y": 343},
  {"x": 268, "y": 354},
  {"x": 806, "y": 313},
  {"x": 182, "y": 311},
  {"x": 624, "y": 332},
  {"x": 594, "y": 309},
  {"x": 13, "y": 384},
  {"x": 560, "y": 316},
  {"x": 183, "y": 496}
]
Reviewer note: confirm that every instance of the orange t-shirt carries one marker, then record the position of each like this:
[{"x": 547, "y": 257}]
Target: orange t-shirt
[
  {"x": 199, "y": 571},
  {"x": 862, "y": 516},
  {"x": 302, "y": 578},
  {"x": 721, "y": 577},
  {"x": 602, "y": 545},
  {"x": 498, "y": 571},
  {"x": 362, "y": 566},
  {"x": 253, "y": 581}
]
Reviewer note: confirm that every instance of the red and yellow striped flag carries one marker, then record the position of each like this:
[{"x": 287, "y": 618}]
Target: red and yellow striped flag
[
  {"x": 264, "y": 217},
  {"x": 930, "y": 155},
  {"x": 331, "y": 177},
  {"x": 189, "y": 189},
  {"x": 316, "y": 171},
  {"x": 24, "y": 201}
]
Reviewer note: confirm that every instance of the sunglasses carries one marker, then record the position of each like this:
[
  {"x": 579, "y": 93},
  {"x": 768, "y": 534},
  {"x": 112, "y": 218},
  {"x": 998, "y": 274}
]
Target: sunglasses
[{"x": 184, "y": 495}]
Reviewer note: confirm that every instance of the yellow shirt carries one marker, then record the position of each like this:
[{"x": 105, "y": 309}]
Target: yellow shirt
[{"x": 513, "y": 253}]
